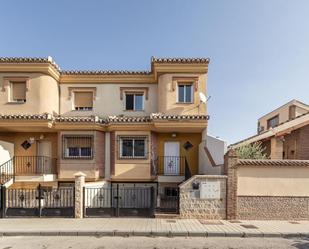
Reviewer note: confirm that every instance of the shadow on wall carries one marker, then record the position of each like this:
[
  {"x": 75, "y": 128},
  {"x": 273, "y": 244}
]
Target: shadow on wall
[{"x": 6, "y": 151}]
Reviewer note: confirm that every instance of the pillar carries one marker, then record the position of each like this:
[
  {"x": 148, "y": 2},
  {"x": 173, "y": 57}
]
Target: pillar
[{"x": 79, "y": 194}]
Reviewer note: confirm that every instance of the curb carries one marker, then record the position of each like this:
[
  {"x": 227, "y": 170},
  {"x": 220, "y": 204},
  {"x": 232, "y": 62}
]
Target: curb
[{"x": 168, "y": 234}]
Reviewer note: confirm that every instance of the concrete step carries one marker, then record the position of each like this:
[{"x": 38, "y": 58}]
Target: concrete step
[{"x": 166, "y": 216}]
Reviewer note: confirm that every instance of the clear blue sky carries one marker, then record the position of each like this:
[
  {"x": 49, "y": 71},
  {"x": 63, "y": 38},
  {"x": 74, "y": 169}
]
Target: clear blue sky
[{"x": 259, "y": 49}]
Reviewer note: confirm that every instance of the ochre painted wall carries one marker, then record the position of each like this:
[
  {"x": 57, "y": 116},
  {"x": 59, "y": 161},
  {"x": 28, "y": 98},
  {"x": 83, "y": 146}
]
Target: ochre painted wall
[
  {"x": 19, "y": 137},
  {"x": 167, "y": 96},
  {"x": 132, "y": 169},
  {"x": 191, "y": 154}
]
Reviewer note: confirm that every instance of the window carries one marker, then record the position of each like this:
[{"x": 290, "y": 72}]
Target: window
[
  {"x": 185, "y": 93},
  {"x": 18, "y": 92},
  {"x": 170, "y": 192},
  {"x": 77, "y": 147},
  {"x": 83, "y": 101},
  {"x": 132, "y": 147},
  {"x": 134, "y": 101},
  {"x": 272, "y": 122}
]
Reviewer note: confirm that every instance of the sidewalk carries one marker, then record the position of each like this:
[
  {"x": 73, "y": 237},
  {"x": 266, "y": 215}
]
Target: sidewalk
[{"x": 151, "y": 227}]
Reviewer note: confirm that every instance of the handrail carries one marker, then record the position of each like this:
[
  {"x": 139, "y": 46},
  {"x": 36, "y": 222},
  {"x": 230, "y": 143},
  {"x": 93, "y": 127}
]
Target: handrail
[
  {"x": 7, "y": 171},
  {"x": 171, "y": 165},
  {"x": 187, "y": 170},
  {"x": 34, "y": 165}
]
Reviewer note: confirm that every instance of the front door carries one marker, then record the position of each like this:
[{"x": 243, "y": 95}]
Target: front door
[
  {"x": 44, "y": 158},
  {"x": 171, "y": 158}
]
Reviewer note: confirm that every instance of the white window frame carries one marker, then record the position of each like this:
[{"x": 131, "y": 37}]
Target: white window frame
[
  {"x": 121, "y": 156},
  {"x": 184, "y": 102},
  {"x": 134, "y": 109}
]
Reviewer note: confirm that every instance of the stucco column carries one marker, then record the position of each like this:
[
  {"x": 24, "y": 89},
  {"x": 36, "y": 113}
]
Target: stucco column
[
  {"x": 276, "y": 151},
  {"x": 230, "y": 163},
  {"x": 79, "y": 198}
]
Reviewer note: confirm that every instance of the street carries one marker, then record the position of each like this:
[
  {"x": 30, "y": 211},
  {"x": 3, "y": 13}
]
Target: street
[{"x": 60, "y": 242}]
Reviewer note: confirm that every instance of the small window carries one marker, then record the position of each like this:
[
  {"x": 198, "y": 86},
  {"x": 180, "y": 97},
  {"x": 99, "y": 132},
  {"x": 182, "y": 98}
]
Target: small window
[
  {"x": 185, "y": 93},
  {"x": 134, "y": 101},
  {"x": 77, "y": 147},
  {"x": 170, "y": 192},
  {"x": 272, "y": 122},
  {"x": 18, "y": 92},
  {"x": 132, "y": 147},
  {"x": 83, "y": 101}
]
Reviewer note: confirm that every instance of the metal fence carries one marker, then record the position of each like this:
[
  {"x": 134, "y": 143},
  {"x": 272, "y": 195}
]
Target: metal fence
[
  {"x": 22, "y": 202},
  {"x": 119, "y": 201}
]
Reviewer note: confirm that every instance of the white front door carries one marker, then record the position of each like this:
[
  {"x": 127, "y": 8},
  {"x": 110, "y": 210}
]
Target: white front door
[
  {"x": 171, "y": 158},
  {"x": 44, "y": 160}
]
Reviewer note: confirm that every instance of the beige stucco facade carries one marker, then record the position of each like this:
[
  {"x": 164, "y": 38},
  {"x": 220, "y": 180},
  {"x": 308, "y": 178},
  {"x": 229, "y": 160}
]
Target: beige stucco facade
[
  {"x": 273, "y": 181},
  {"x": 49, "y": 114},
  {"x": 42, "y": 94}
]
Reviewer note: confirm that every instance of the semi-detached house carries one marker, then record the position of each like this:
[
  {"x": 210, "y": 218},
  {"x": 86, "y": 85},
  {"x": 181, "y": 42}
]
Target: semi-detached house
[{"x": 124, "y": 128}]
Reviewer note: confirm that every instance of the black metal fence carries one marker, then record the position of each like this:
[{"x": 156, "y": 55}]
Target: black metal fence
[
  {"x": 119, "y": 201},
  {"x": 38, "y": 202},
  {"x": 171, "y": 165}
]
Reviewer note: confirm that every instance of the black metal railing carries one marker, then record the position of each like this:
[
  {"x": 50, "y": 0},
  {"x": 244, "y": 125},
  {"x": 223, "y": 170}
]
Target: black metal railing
[
  {"x": 171, "y": 165},
  {"x": 6, "y": 171},
  {"x": 34, "y": 165},
  {"x": 187, "y": 170}
]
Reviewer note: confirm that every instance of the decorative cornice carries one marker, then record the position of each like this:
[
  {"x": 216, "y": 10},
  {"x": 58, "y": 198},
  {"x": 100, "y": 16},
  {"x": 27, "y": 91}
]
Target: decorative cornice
[{"x": 106, "y": 120}]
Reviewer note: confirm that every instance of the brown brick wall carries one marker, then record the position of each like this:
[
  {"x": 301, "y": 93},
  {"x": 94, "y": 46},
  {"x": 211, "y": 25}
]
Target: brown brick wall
[
  {"x": 304, "y": 143},
  {"x": 100, "y": 152},
  {"x": 112, "y": 152}
]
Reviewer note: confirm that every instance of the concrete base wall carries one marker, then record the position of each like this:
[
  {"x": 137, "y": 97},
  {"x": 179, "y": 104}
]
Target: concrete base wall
[{"x": 272, "y": 208}]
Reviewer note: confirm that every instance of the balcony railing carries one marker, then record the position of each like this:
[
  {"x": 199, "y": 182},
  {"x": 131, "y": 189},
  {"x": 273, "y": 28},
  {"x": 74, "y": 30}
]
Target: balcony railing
[
  {"x": 34, "y": 165},
  {"x": 171, "y": 165}
]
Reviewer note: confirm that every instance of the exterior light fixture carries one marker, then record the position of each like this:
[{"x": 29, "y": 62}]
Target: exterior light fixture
[{"x": 174, "y": 135}]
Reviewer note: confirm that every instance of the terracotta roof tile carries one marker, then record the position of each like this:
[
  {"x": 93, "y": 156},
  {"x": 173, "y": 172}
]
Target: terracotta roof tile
[
  {"x": 180, "y": 60},
  {"x": 45, "y": 116},
  {"x": 104, "y": 72},
  {"x": 29, "y": 60},
  {"x": 279, "y": 163}
]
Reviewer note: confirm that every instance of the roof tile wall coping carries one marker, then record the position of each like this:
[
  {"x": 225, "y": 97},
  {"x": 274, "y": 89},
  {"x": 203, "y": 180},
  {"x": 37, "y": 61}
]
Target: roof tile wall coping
[{"x": 268, "y": 162}]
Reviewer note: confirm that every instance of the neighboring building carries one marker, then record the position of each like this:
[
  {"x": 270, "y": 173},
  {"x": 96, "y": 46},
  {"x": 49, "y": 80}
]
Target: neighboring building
[
  {"x": 140, "y": 128},
  {"x": 284, "y": 113},
  {"x": 284, "y": 132},
  {"x": 212, "y": 153}
]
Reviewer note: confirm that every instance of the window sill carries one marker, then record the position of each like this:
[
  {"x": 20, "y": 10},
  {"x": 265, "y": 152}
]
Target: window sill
[
  {"x": 15, "y": 103},
  {"x": 184, "y": 103},
  {"x": 132, "y": 158},
  {"x": 134, "y": 110},
  {"x": 77, "y": 158}
]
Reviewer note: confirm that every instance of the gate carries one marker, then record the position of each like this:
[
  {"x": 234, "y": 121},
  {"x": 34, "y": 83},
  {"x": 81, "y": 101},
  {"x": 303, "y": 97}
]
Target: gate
[
  {"x": 38, "y": 202},
  {"x": 121, "y": 201}
]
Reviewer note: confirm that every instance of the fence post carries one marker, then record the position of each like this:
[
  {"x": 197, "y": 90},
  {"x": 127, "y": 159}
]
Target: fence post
[
  {"x": 39, "y": 199},
  {"x": 79, "y": 197},
  {"x": 230, "y": 163},
  {"x": 3, "y": 201}
]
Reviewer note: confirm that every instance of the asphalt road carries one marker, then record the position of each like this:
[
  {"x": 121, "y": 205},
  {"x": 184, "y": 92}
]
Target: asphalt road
[{"x": 149, "y": 243}]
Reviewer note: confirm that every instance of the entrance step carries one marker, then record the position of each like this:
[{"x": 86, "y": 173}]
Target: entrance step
[{"x": 166, "y": 216}]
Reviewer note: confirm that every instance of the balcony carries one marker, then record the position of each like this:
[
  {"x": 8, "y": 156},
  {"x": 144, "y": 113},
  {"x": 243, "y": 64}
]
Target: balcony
[
  {"x": 28, "y": 166},
  {"x": 34, "y": 165},
  {"x": 170, "y": 165}
]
